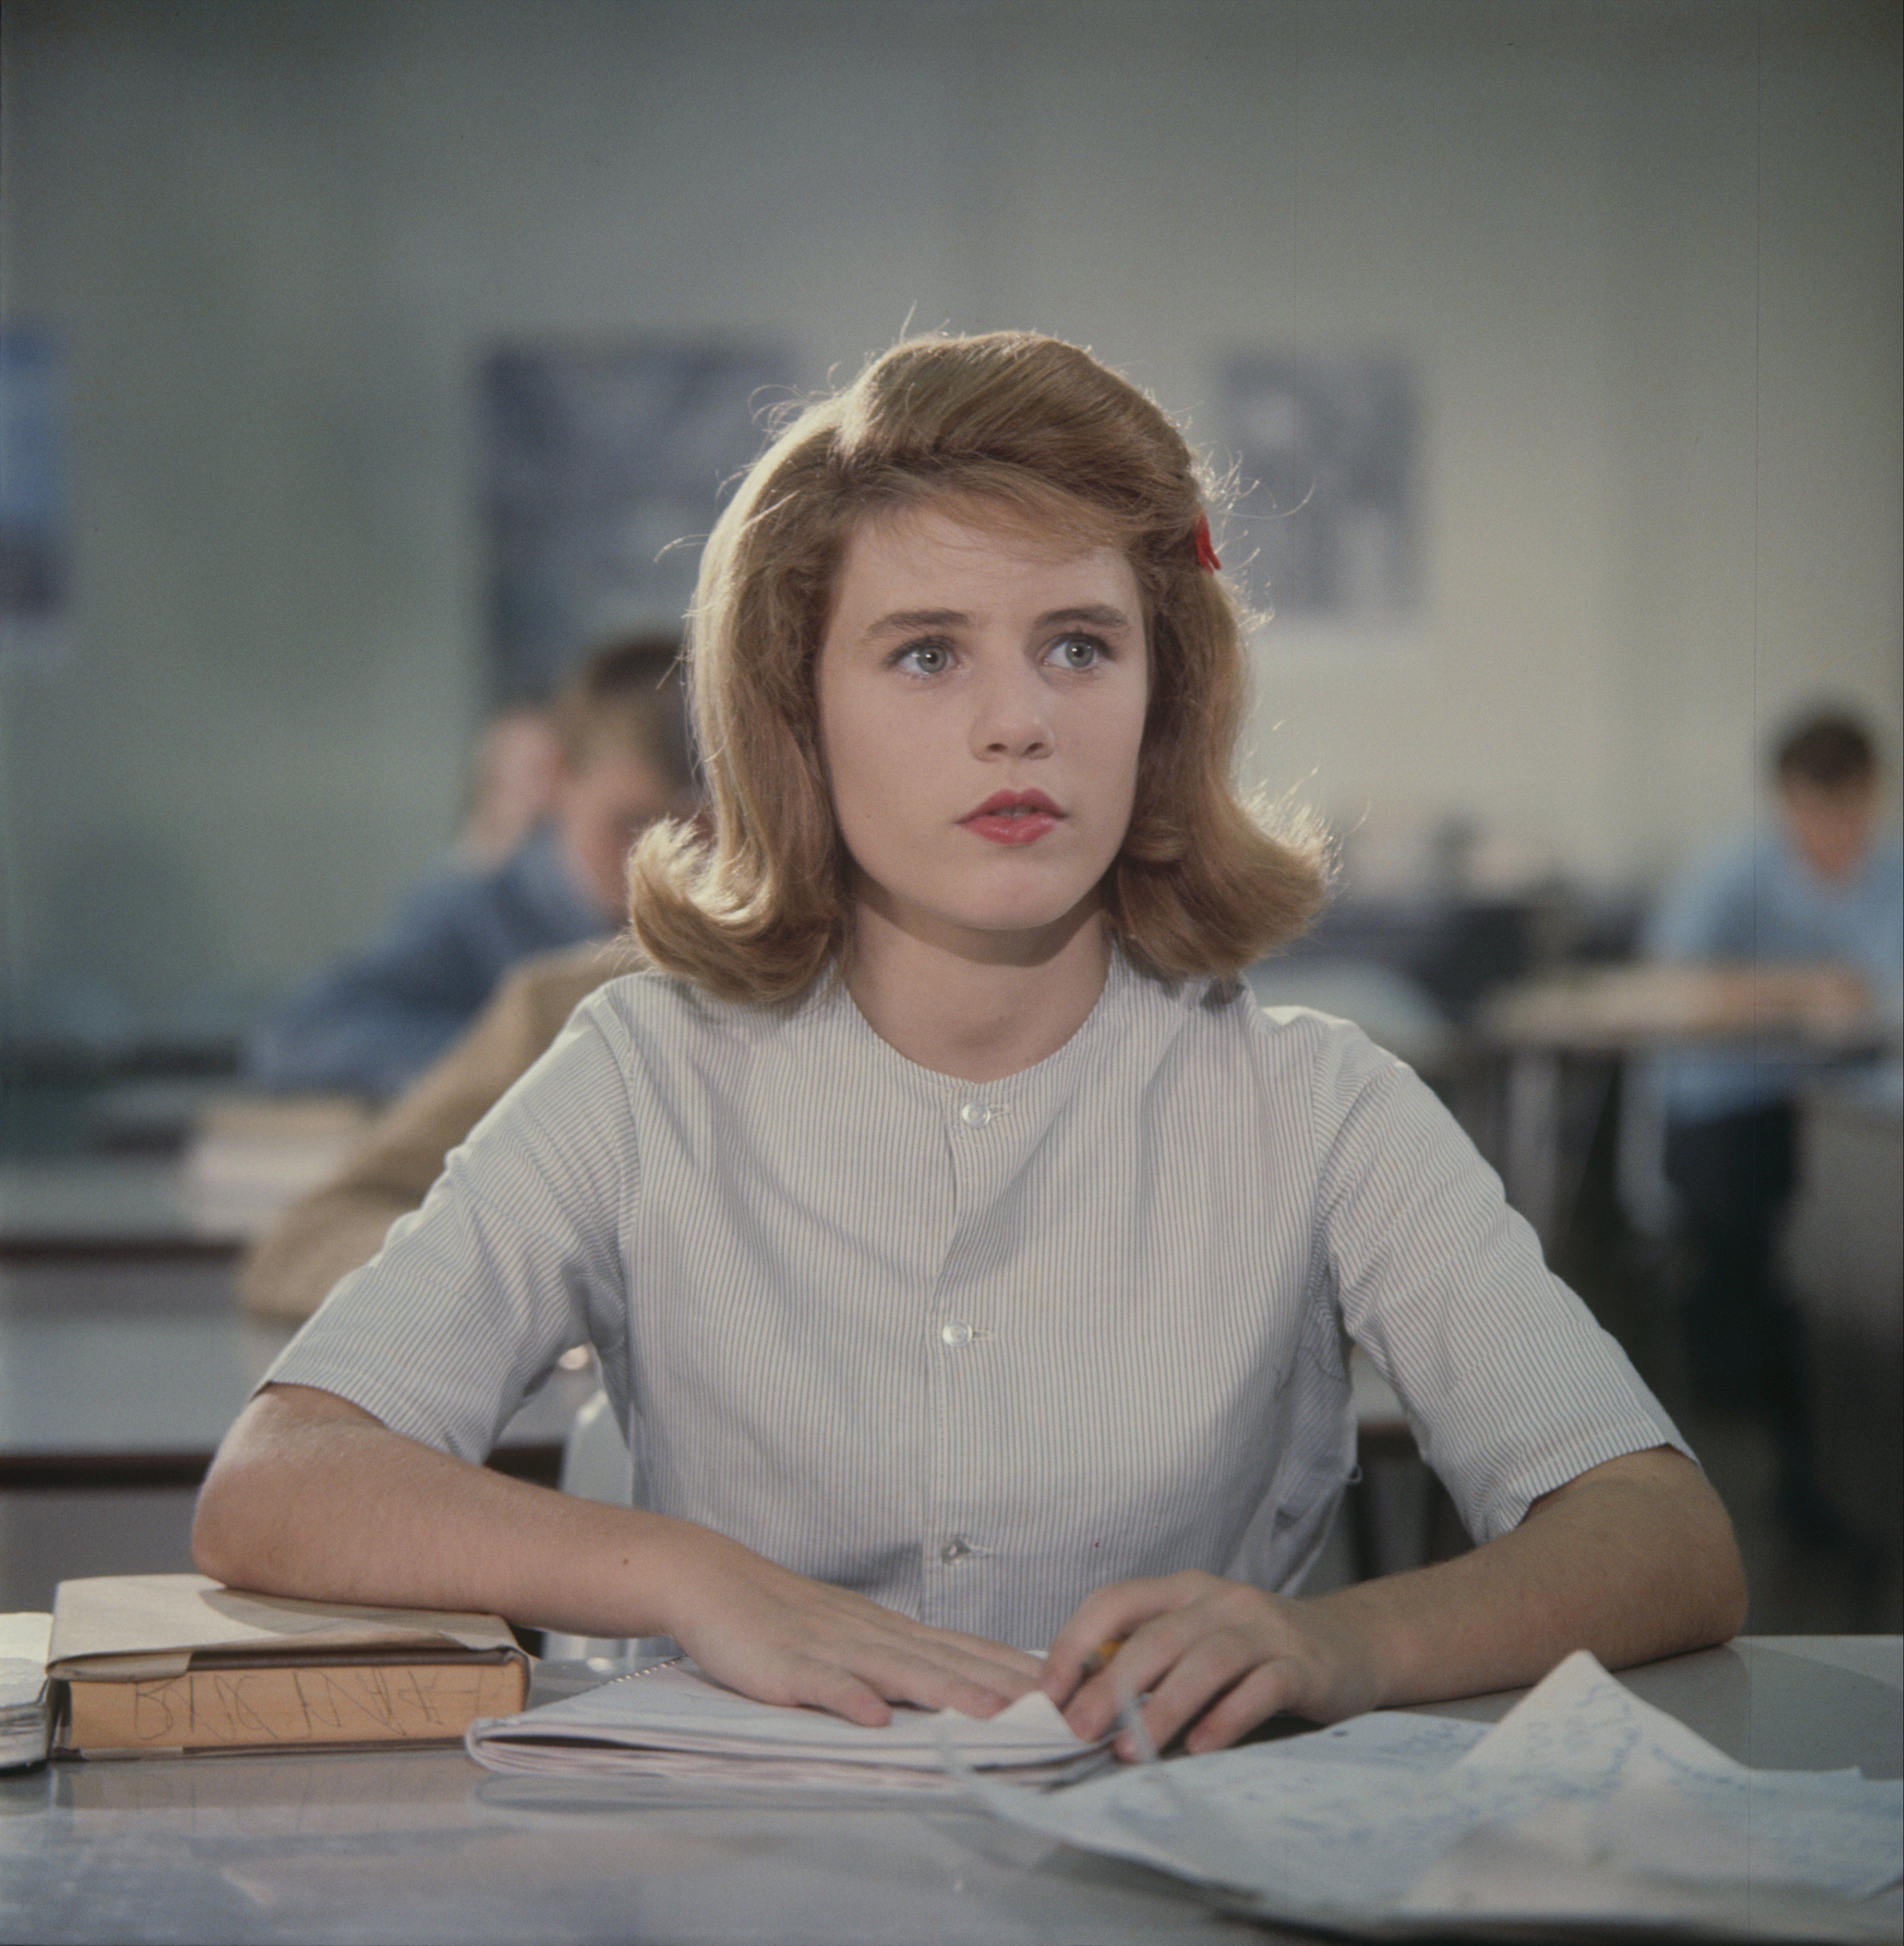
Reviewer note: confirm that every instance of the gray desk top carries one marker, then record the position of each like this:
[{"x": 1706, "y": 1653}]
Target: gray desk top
[
  {"x": 130, "y": 1361},
  {"x": 93, "y": 1204},
  {"x": 422, "y": 1846}
]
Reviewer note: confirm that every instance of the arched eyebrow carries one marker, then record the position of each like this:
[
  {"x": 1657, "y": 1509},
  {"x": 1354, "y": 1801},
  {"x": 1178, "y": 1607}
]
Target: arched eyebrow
[
  {"x": 1094, "y": 617},
  {"x": 904, "y": 620}
]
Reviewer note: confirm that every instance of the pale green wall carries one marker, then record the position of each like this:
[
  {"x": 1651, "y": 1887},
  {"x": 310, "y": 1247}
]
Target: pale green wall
[{"x": 1647, "y": 256}]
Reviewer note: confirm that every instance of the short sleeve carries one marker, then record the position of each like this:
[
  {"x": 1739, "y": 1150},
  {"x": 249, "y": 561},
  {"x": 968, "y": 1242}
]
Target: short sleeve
[
  {"x": 514, "y": 1257},
  {"x": 1511, "y": 1389}
]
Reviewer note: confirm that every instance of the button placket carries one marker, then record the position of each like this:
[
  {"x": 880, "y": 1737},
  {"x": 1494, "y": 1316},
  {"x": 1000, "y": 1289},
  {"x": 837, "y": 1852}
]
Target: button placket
[{"x": 981, "y": 1160}]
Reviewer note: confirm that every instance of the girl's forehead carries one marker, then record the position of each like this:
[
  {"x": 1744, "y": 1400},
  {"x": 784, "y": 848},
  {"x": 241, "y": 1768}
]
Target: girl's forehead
[{"x": 962, "y": 540}]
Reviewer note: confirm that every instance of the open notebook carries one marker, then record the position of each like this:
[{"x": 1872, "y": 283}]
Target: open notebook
[{"x": 670, "y": 1721}]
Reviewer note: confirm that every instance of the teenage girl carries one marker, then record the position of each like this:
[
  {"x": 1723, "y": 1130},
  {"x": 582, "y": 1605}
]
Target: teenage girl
[{"x": 974, "y": 1263}]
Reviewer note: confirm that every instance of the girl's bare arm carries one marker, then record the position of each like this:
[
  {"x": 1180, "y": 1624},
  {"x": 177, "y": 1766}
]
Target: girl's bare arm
[{"x": 312, "y": 1497}]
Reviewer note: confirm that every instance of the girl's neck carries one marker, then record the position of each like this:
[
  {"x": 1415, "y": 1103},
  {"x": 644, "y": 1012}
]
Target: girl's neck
[{"x": 979, "y": 1006}]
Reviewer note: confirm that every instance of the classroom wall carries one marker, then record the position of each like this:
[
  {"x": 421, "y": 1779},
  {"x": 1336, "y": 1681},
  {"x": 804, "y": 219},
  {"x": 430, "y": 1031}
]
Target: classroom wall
[{"x": 1645, "y": 257}]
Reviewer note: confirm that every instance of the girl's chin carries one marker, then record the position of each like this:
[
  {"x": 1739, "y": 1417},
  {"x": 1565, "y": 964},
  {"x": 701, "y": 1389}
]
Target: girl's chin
[
  {"x": 999, "y": 907},
  {"x": 1004, "y": 917}
]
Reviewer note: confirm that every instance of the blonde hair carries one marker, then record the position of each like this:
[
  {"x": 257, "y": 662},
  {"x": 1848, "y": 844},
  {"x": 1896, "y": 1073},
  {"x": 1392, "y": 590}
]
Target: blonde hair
[{"x": 1039, "y": 430}]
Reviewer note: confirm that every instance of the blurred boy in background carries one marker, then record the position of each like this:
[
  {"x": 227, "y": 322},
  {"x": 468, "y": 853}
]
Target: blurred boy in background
[
  {"x": 515, "y": 772},
  {"x": 340, "y": 1226},
  {"x": 370, "y": 1025},
  {"x": 1812, "y": 908}
]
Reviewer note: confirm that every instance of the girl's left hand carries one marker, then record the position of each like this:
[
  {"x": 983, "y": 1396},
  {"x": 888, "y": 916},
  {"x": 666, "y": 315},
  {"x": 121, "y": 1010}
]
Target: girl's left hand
[{"x": 1218, "y": 1656}]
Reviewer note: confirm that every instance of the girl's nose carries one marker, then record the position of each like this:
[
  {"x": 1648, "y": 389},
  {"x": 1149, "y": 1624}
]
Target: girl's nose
[{"x": 1011, "y": 719}]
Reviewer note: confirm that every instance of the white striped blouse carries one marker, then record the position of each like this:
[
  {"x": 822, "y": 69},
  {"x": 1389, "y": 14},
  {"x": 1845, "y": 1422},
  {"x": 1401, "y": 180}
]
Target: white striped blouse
[{"x": 976, "y": 1350}]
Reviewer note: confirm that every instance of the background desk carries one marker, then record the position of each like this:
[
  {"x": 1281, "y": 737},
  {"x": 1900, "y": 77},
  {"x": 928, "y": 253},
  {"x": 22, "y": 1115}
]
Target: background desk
[
  {"x": 422, "y": 1846},
  {"x": 106, "y": 1207},
  {"x": 117, "y": 1378},
  {"x": 1546, "y": 1054}
]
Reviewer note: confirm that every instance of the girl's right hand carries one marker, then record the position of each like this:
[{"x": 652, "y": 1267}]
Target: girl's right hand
[{"x": 778, "y": 1637}]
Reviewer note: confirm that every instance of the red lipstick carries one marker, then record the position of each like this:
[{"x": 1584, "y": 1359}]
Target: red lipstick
[{"x": 1013, "y": 817}]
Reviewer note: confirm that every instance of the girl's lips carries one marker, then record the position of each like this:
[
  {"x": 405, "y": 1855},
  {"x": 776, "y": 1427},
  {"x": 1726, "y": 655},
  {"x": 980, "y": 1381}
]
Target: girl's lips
[
  {"x": 1011, "y": 827},
  {"x": 1013, "y": 817},
  {"x": 1016, "y": 800}
]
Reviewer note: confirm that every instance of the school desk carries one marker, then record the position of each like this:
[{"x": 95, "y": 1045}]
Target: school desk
[
  {"x": 1546, "y": 1053},
  {"x": 132, "y": 1209},
  {"x": 119, "y": 1376},
  {"x": 423, "y": 1846}
]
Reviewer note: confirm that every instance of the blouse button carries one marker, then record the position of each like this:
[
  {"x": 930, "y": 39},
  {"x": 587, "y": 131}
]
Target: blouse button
[
  {"x": 975, "y": 1114},
  {"x": 954, "y": 1550},
  {"x": 957, "y": 1333}
]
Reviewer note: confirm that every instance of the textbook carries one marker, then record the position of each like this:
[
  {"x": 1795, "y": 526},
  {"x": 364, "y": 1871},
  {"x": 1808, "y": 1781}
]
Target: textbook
[
  {"x": 165, "y": 1664},
  {"x": 24, "y": 1715},
  {"x": 671, "y": 1721}
]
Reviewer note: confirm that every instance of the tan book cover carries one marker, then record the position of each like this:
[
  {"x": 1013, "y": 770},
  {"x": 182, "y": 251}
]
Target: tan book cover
[{"x": 162, "y": 1662}]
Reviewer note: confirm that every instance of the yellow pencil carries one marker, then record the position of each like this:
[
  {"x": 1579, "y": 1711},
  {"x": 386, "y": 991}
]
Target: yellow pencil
[{"x": 1099, "y": 1658}]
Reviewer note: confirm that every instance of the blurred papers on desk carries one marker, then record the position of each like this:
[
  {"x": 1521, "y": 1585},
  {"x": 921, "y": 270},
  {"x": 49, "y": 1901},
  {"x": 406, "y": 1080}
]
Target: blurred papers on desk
[
  {"x": 1583, "y": 1806},
  {"x": 251, "y": 1158},
  {"x": 1616, "y": 1008}
]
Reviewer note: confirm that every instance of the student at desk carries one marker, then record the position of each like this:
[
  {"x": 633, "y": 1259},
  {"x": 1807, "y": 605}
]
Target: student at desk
[
  {"x": 369, "y": 1026},
  {"x": 974, "y": 1262},
  {"x": 340, "y": 1225},
  {"x": 1809, "y": 912}
]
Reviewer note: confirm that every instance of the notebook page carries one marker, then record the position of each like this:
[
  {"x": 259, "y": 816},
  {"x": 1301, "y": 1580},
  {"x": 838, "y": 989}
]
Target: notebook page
[{"x": 675, "y": 1708}]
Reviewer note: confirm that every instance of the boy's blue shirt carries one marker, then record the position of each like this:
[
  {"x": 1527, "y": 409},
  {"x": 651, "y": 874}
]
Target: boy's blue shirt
[
  {"x": 1756, "y": 902},
  {"x": 370, "y": 1024}
]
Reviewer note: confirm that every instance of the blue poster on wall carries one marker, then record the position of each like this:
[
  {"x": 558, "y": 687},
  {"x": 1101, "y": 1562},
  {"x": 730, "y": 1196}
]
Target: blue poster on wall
[
  {"x": 35, "y": 562},
  {"x": 1327, "y": 449},
  {"x": 604, "y": 465}
]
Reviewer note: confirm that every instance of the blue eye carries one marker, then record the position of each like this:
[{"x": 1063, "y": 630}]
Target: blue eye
[
  {"x": 924, "y": 659},
  {"x": 1076, "y": 652}
]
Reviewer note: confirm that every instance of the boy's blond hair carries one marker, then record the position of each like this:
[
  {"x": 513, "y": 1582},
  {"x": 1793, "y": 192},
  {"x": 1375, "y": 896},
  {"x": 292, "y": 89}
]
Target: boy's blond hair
[{"x": 626, "y": 696}]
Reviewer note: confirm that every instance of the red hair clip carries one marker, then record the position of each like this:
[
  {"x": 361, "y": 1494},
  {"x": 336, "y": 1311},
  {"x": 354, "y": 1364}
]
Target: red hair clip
[{"x": 1206, "y": 553}]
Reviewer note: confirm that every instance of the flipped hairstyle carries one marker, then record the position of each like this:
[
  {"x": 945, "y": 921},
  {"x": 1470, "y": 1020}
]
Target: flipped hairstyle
[{"x": 1037, "y": 434}]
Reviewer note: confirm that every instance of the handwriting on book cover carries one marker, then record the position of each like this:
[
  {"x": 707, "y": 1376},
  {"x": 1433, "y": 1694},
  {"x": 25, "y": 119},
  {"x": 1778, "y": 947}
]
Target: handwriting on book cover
[{"x": 339, "y": 1704}]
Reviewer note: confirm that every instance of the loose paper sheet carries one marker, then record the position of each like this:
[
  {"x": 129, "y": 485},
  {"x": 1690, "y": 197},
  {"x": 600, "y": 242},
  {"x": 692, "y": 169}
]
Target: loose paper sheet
[{"x": 1583, "y": 1801}]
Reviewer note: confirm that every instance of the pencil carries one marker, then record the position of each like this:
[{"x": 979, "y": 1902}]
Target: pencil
[{"x": 1099, "y": 1658}]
